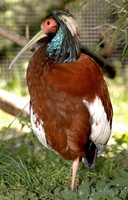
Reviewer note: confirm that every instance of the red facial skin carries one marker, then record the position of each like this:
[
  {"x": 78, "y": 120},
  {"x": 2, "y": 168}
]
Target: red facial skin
[{"x": 49, "y": 26}]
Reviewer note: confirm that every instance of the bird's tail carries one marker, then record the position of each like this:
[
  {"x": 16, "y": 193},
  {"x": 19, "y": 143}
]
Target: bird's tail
[{"x": 91, "y": 155}]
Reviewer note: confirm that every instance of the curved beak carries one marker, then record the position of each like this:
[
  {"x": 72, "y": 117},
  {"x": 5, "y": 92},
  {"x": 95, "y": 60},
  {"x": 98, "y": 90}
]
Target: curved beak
[{"x": 37, "y": 37}]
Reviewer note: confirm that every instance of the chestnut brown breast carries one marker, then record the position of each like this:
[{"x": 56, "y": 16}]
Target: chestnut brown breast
[{"x": 57, "y": 92}]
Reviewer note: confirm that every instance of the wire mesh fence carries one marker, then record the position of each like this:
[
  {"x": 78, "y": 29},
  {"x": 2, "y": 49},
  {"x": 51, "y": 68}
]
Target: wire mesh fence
[{"x": 90, "y": 23}]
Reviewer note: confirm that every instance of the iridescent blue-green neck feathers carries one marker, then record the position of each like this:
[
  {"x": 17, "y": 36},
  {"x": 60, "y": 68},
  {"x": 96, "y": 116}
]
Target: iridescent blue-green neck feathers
[{"x": 64, "y": 46}]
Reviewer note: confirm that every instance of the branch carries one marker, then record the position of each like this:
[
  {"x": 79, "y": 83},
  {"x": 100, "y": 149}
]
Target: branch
[
  {"x": 13, "y": 104},
  {"x": 13, "y": 36},
  {"x": 107, "y": 67}
]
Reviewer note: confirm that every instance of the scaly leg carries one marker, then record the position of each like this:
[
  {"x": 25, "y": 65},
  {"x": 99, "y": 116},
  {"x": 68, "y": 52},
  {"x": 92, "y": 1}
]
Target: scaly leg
[{"x": 74, "y": 170}]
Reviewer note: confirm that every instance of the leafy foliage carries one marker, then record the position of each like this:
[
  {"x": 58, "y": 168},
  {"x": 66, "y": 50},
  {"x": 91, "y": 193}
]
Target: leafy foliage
[
  {"x": 120, "y": 34},
  {"x": 28, "y": 171},
  {"x": 117, "y": 31}
]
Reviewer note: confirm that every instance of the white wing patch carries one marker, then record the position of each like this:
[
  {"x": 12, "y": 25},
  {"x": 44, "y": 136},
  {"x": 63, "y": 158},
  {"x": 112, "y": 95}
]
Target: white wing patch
[
  {"x": 38, "y": 129},
  {"x": 100, "y": 126}
]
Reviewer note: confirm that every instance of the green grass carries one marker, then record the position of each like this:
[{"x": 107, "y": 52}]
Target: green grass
[{"x": 29, "y": 171}]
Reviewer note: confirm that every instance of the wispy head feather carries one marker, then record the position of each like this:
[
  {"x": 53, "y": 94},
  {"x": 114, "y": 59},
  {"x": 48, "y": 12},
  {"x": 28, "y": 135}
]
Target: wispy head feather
[{"x": 67, "y": 19}]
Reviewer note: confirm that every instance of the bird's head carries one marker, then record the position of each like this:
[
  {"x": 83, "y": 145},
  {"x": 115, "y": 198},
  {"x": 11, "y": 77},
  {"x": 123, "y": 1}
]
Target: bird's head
[{"x": 61, "y": 29}]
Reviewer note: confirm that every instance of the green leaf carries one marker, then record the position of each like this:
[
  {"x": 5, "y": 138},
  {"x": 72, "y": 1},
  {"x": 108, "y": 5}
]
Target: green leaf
[
  {"x": 99, "y": 196},
  {"x": 101, "y": 185},
  {"x": 119, "y": 182},
  {"x": 124, "y": 173},
  {"x": 124, "y": 193},
  {"x": 84, "y": 189},
  {"x": 57, "y": 192},
  {"x": 69, "y": 195}
]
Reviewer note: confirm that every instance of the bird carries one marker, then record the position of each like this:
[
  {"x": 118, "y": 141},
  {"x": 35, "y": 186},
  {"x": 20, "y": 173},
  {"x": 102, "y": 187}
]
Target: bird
[{"x": 70, "y": 108}]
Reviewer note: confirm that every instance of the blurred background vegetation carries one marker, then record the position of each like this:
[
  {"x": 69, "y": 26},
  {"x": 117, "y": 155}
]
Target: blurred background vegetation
[{"x": 27, "y": 170}]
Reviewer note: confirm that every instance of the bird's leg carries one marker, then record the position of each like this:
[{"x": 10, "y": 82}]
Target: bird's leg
[{"x": 74, "y": 170}]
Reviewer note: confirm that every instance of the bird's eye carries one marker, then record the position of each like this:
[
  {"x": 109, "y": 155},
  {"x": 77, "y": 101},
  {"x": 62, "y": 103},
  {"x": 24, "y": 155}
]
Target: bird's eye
[{"x": 48, "y": 22}]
